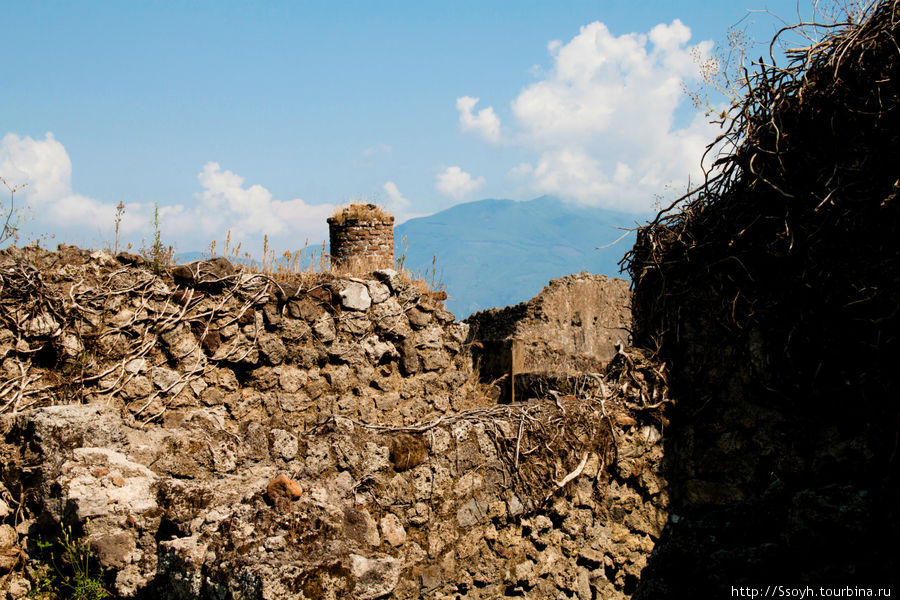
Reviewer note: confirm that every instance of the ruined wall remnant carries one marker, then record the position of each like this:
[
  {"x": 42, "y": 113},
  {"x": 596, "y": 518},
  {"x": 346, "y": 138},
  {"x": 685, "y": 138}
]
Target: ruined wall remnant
[
  {"x": 573, "y": 325},
  {"x": 362, "y": 239},
  {"x": 234, "y": 436}
]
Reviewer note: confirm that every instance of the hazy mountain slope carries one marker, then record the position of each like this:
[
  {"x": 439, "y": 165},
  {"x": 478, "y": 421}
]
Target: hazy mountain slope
[{"x": 500, "y": 252}]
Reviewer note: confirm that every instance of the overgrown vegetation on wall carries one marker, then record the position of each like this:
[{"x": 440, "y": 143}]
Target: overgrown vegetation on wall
[{"x": 772, "y": 293}]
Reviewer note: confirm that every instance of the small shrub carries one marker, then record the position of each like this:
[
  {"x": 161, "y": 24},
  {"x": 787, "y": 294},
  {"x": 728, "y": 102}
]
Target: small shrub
[
  {"x": 68, "y": 573},
  {"x": 158, "y": 255}
]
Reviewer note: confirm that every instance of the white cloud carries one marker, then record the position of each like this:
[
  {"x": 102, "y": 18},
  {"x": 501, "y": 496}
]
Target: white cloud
[
  {"x": 43, "y": 166},
  {"x": 377, "y": 149},
  {"x": 397, "y": 204},
  {"x": 395, "y": 198},
  {"x": 601, "y": 120},
  {"x": 622, "y": 174},
  {"x": 224, "y": 203},
  {"x": 248, "y": 212},
  {"x": 456, "y": 183},
  {"x": 485, "y": 124},
  {"x": 521, "y": 170}
]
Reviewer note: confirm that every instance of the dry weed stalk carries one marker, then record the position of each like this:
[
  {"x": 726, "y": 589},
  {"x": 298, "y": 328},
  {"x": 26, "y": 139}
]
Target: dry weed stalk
[{"x": 11, "y": 216}]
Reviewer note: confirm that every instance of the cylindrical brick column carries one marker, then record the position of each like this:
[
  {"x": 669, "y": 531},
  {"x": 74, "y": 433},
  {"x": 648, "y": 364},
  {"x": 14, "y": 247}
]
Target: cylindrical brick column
[{"x": 362, "y": 239}]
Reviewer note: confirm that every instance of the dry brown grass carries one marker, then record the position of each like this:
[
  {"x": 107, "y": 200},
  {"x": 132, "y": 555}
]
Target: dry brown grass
[
  {"x": 307, "y": 263},
  {"x": 355, "y": 266},
  {"x": 359, "y": 212},
  {"x": 289, "y": 266}
]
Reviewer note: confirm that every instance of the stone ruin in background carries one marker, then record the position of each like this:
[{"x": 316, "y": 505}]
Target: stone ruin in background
[{"x": 572, "y": 327}]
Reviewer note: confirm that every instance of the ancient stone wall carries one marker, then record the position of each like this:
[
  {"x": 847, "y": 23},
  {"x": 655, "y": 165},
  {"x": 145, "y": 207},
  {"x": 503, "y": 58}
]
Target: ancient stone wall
[
  {"x": 231, "y": 435},
  {"x": 201, "y": 510},
  {"x": 361, "y": 244},
  {"x": 297, "y": 350},
  {"x": 572, "y": 326}
]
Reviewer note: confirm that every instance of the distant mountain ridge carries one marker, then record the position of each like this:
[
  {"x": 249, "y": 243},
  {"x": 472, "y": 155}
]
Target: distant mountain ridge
[{"x": 493, "y": 253}]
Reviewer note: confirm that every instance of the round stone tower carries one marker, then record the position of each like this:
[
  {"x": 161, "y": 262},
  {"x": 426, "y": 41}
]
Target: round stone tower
[{"x": 362, "y": 239}]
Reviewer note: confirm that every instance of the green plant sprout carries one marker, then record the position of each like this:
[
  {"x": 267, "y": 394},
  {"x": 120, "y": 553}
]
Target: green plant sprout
[{"x": 73, "y": 581}]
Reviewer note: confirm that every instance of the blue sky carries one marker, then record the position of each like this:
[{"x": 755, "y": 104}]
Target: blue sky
[{"x": 261, "y": 117}]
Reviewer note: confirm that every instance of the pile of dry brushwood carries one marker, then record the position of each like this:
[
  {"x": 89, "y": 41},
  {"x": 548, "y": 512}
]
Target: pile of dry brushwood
[
  {"x": 794, "y": 233},
  {"x": 546, "y": 442}
]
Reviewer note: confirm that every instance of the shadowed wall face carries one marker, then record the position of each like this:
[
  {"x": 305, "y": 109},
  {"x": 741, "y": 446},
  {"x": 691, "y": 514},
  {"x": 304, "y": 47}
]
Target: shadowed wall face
[{"x": 772, "y": 297}]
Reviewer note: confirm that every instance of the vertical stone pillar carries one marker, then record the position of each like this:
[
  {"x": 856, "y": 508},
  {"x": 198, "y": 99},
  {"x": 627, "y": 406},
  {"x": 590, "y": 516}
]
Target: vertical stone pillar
[{"x": 361, "y": 238}]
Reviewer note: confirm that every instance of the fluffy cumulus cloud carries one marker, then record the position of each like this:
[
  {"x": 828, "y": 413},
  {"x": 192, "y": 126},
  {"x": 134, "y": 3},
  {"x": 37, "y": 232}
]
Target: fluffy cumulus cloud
[
  {"x": 397, "y": 204},
  {"x": 224, "y": 203},
  {"x": 601, "y": 121},
  {"x": 42, "y": 170},
  {"x": 484, "y": 123},
  {"x": 456, "y": 183},
  {"x": 248, "y": 211}
]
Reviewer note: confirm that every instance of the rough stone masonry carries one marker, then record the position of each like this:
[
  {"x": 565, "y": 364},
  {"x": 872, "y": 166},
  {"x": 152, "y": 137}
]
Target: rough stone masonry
[
  {"x": 361, "y": 239},
  {"x": 231, "y": 435}
]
